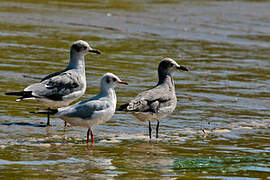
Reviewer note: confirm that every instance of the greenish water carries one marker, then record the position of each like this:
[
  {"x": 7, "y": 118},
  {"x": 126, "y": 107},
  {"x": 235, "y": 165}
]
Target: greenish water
[{"x": 220, "y": 128}]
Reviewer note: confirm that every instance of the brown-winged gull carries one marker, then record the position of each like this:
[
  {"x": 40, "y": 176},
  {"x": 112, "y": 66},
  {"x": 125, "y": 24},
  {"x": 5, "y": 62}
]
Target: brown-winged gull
[{"x": 159, "y": 101}]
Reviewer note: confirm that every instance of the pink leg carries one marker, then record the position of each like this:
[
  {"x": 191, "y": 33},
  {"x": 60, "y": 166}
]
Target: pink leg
[{"x": 92, "y": 138}]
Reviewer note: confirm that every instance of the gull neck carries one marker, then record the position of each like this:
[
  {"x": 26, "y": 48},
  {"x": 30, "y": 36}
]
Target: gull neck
[
  {"x": 165, "y": 77},
  {"x": 76, "y": 61}
]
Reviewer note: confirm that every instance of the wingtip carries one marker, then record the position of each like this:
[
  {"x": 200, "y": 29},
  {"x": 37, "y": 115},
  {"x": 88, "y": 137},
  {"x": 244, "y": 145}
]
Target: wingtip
[
  {"x": 123, "y": 107},
  {"x": 13, "y": 93}
]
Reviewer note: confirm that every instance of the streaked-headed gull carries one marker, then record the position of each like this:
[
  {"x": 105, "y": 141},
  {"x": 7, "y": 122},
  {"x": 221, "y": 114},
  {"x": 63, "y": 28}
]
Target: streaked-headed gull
[
  {"x": 159, "y": 101},
  {"x": 94, "y": 111},
  {"x": 61, "y": 88}
]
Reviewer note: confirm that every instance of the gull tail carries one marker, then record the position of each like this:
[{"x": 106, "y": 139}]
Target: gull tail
[
  {"x": 123, "y": 107},
  {"x": 49, "y": 111}
]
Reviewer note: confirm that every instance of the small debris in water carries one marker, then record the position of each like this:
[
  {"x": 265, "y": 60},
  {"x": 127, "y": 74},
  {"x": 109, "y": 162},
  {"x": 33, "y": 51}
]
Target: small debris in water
[{"x": 2, "y": 146}]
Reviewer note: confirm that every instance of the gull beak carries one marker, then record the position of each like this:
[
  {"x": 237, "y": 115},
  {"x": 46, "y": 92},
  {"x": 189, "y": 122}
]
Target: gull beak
[
  {"x": 183, "y": 68},
  {"x": 94, "y": 51},
  {"x": 122, "y": 82}
]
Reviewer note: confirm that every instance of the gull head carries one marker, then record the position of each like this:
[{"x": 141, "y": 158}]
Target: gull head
[
  {"x": 82, "y": 48},
  {"x": 168, "y": 66},
  {"x": 109, "y": 80}
]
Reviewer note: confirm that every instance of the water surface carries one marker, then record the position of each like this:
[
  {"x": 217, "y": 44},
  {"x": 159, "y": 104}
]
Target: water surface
[{"x": 220, "y": 128}]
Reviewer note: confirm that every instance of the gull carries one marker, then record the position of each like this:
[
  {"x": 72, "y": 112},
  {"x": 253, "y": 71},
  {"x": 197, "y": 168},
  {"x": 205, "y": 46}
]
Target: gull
[
  {"x": 93, "y": 111},
  {"x": 60, "y": 88},
  {"x": 159, "y": 101}
]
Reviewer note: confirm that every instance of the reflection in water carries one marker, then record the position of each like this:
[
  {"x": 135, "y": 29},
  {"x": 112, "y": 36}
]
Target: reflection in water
[
  {"x": 23, "y": 124},
  {"x": 70, "y": 160},
  {"x": 220, "y": 128}
]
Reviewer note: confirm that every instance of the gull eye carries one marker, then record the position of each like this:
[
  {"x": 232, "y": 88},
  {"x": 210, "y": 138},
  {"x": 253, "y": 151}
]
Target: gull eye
[
  {"x": 76, "y": 47},
  {"x": 84, "y": 47},
  {"x": 114, "y": 79}
]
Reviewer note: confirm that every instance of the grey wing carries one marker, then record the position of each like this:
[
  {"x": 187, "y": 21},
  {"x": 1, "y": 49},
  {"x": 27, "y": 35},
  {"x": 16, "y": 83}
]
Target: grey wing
[
  {"x": 150, "y": 101},
  {"x": 85, "y": 109},
  {"x": 55, "y": 88},
  {"x": 52, "y": 75}
]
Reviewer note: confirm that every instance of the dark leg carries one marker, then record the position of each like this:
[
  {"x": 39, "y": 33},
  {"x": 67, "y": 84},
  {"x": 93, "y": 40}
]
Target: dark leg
[
  {"x": 48, "y": 117},
  {"x": 65, "y": 123},
  {"x": 157, "y": 129},
  {"x": 150, "y": 130},
  {"x": 87, "y": 136}
]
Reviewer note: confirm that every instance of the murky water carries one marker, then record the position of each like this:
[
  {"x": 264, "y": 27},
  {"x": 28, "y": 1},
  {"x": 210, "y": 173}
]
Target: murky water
[{"x": 220, "y": 129}]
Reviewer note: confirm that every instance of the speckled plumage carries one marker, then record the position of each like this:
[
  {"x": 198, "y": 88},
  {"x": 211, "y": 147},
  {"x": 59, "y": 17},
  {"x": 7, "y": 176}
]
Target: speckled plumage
[{"x": 159, "y": 101}]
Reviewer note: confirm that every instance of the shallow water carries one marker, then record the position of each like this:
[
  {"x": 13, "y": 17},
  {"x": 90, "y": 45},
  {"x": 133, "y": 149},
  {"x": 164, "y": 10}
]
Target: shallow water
[{"x": 220, "y": 129}]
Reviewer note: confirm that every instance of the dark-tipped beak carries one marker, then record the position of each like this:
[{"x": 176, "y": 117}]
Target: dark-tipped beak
[
  {"x": 94, "y": 51},
  {"x": 182, "y": 68},
  {"x": 122, "y": 82}
]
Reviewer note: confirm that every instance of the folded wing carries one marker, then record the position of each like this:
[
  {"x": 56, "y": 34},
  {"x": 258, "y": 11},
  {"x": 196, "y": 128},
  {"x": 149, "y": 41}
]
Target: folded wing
[
  {"x": 56, "y": 87},
  {"x": 85, "y": 110},
  {"x": 150, "y": 101}
]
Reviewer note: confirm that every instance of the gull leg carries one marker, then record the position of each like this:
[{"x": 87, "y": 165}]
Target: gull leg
[
  {"x": 65, "y": 123},
  {"x": 92, "y": 139},
  {"x": 92, "y": 136},
  {"x": 150, "y": 130},
  {"x": 48, "y": 117},
  {"x": 87, "y": 138},
  {"x": 157, "y": 129}
]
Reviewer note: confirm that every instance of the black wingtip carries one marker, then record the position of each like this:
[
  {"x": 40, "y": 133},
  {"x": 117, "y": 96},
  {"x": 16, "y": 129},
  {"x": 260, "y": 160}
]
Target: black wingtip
[
  {"x": 23, "y": 94},
  {"x": 123, "y": 107},
  {"x": 14, "y": 93},
  {"x": 20, "y": 93}
]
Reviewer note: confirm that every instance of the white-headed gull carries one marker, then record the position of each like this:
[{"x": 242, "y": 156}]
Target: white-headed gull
[
  {"x": 94, "y": 111},
  {"x": 61, "y": 88}
]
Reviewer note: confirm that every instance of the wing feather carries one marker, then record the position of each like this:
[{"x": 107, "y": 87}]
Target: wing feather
[
  {"x": 150, "y": 100},
  {"x": 52, "y": 75},
  {"x": 56, "y": 87},
  {"x": 85, "y": 109}
]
